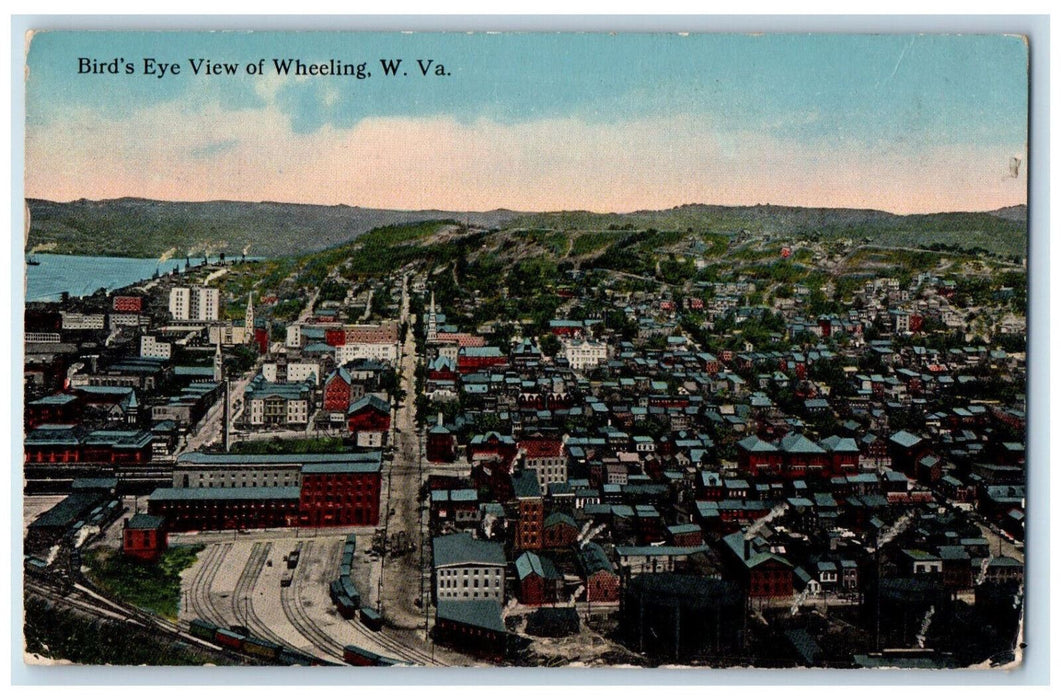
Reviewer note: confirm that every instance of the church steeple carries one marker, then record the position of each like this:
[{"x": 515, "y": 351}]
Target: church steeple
[
  {"x": 248, "y": 322},
  {"x": 432, "y": 322}
]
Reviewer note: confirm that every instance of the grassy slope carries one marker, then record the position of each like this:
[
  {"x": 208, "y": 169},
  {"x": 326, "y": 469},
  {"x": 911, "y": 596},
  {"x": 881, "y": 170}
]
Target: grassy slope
[
  {"x": 155, "y": 587},
  {"x": 144, "y": 228}
]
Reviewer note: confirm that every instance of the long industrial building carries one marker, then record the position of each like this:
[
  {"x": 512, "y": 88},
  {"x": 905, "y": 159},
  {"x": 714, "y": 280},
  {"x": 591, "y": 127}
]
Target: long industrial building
[{"x": 225, "y": 491}]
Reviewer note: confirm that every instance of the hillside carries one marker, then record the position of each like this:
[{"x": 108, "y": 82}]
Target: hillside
[
  {"x": 143, "y": 228},
  {"x": 146, "y": 228}
]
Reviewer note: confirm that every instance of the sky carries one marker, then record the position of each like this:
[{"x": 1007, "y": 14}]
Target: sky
[{"x": 535, "y": 122}]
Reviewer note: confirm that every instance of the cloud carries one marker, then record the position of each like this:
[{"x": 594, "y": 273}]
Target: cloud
[
  {"x": 212, "y": 149},
  {"x": 215, "y": 152}
]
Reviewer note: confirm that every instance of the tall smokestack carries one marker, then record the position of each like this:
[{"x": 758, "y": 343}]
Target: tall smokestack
[
  {"x": 747, "y": 549},
  {"x": 226, "y": 419}
]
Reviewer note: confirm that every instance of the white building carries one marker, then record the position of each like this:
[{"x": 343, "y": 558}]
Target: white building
[
  {"x": 382, "y": 352},
  {"x": 119, "y": 320},
  {"x": 82, "y": 322},
  {"x": 228, "y": 334},
  {"x": 468, "y": 569},
  {"x": 194, "y": 303},
  {"x": 267, "y": 403},
  {"x": 296, "y": 372},
  {"x": 294, "y": 336},
  {"x": 151, "y": 347},
  {"x": 584, "y": 354}
]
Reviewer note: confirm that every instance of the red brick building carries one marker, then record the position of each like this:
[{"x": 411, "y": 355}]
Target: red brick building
[
  {"x": 369, "y": 419},
  {"x": 539, "y": 581},
  {"x": 226, "y": 508},
  {"x": 331, "y": 490},
  {"x": 144, "y": 537},
  {"x": 471, "y": 359},
  {"x": 602, "y": 583},
  {"x": 761, "y": 573},
  {"x": 843, "y": 454},
  {"x": 441, "y": 445},
  {"x": 801, "y": 457},
  {"x": 57, "y": 408},
  {"x": 340, "y": 494},
  {"x": 54, "y": 443},
  {"x": 337, "y": 391},
  {"x": 559, "y": 530},
  {"x": 261, "y": 340},
  {"x": 128, "y": 304},
  {"x": 756, "y": 456},
  {"x": 531, "y": 508}
]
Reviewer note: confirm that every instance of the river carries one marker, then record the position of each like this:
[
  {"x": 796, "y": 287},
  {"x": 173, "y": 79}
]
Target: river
[{"x": 81, "y": 275}]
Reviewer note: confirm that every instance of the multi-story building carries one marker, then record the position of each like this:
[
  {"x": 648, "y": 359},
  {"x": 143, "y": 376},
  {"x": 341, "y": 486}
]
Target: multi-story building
[
  {"x": 267, "y": 403},
  {"x": 152, "y": 347},
  {"x": 466, "y": 568},
  {"x": 585, "y": 354},
  {"x": 531, "y": 509},
  {"x": 545, "y": 457},
  {"x": 226, "y": 491},
  {"x": 194, "y": 303},
  {"x": 82, "y": 322}
]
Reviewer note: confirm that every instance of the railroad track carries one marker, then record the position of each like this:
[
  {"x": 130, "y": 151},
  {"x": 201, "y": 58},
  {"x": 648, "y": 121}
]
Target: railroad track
[
  {"x": 398, "y": 649},
  {"x": 82, "y": 598},
  {"x": 245, "y": 587},
  {"x": 199, "y": 596},
  {"x": 401, "y": 651},
  {"x": 291, "y": 601}
]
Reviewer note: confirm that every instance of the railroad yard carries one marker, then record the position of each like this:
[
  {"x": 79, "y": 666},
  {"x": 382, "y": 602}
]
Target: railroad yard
[{"x": 237, "y": 583}]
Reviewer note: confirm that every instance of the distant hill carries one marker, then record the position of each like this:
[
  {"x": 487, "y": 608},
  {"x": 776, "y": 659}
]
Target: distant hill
[
  {"x": 147, "y": 228},
  {"x": 144, "y": 228},
  {"x": 1017, "y": 213}
]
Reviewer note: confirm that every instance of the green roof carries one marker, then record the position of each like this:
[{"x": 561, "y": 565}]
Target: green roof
[
  {"x": 905, "y": 439},
  {"x": 462, "y": 548},
  {"x": 225, "y": 459},
  {"x": 530, "y": 563},
  {"x": 250, "y": 493},
  {"x": 143, "y": 521},
  {"x": 485, "y": 614},
  {"x": 68, "y": 511}
]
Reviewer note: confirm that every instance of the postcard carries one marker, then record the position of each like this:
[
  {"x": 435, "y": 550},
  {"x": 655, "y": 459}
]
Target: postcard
[{"x": 525, "y": 349}]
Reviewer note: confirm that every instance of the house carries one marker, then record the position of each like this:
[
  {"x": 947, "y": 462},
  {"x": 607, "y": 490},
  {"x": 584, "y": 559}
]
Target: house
[
  {"x": 602, "y": 583},
  {"x": 144, "y": 537},
  {"x": 369, "y": 420},
  {"x": 559, "y": 530},
  {"x": 539, "y": 581},
  {"x": 761, "y": 572}
]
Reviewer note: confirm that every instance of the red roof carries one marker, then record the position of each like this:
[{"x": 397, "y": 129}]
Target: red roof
[{"x": 543, "y": 447}]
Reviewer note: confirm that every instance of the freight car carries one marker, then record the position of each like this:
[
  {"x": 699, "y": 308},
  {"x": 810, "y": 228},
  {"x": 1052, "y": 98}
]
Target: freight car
[
  {"x": 203, "y": 630},
  {"x": 240, "y": 640},
  {"x": 293, "y": 657},
  {"x": 292, "y": 558},
  {"x": 230, "y": 638},
  {"x": 261, "y": 648},
  {"x": 344, "y": 603},
  {"x": 356, "y": 656},
  {"x": 371, "y": 619}
]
